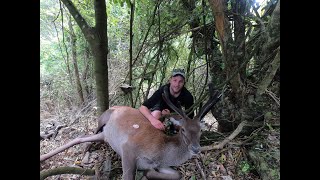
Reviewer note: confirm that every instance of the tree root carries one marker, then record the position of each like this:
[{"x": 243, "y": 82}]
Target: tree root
[
  {"x": 232, "y": 135},
  {"x": 66, "y": 170},
  {"x": 226, "y": 140}
]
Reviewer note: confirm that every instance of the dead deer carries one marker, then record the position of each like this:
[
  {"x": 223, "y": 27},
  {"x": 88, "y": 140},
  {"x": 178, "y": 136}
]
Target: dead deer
[{"x": 143, "y": 147}]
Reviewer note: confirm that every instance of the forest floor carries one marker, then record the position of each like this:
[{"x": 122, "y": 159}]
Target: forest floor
[{"x": 256, "y": 159}]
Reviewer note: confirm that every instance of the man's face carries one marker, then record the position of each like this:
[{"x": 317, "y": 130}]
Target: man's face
[{"x": 176, "y": 84}]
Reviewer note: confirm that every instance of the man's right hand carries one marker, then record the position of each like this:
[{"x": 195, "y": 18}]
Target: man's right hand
[
  {"x": 154, "y": 121},
  {"x": 157, "y": 124}
]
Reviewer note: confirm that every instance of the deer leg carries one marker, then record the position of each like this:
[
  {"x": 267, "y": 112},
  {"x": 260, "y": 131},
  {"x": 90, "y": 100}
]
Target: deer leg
[
  {"x": 128, "y": 160},
  {"x": 163, "y": 173},
  {"x": 78, "y": 140}
]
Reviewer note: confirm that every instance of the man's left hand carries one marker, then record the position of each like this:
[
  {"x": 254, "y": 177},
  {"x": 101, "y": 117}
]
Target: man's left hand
[{"x": 165, "y": 111}]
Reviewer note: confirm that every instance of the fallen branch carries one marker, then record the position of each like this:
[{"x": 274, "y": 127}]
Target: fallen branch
[
  {"x": 66, "y": 170},
  {"x": 226, "y": 140},
  {"x": 51, "y": 133},
  {"x": 234, "y": 134},
  {"x": 201, "y": 171}
]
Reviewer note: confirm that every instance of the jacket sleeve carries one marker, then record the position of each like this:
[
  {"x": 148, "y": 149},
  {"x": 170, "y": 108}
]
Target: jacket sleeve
[{"x": 153, "y": 100}]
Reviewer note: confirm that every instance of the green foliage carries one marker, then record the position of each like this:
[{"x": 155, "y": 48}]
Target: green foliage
[
  {"x": 48, "y": 13},
  {"x": 275, "y": 174},
  {"x": 86, "y": 9},
  {"x": 193, "y": 177},
  {"x": 121, "y": 2},
  {"x": 222, "y": 159},
  {"x": 174, "y": 28},
  {"x": 118, "y": 31},
  {"x": 50, "y": 60},
  {"x": 245, "y": 167}
]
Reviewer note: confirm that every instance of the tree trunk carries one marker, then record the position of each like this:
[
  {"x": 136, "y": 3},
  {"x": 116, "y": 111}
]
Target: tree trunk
[
  {"x": 100, "y": 47},
  {"x": 272, "y": 34},
  {"x": 239, "y": 9},
  {"x": 231, "y": 69},
  {"x": 270, "y": 50},
  {"x": 132, "y": 4},
  {"x": 271, "y": 72},
  {"x": 98, "y": 41},
  {"x": 227, "y": 44},
  {"x": 73, "y": 40}
]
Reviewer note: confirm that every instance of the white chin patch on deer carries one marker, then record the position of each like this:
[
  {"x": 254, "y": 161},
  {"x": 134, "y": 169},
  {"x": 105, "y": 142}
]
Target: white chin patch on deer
[
  {"x": 136, "y": 126},
  {"x": 193, "y": 153}
]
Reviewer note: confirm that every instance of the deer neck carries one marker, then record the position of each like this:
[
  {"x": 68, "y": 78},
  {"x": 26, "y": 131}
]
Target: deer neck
[{"x": 176, "y": 147}]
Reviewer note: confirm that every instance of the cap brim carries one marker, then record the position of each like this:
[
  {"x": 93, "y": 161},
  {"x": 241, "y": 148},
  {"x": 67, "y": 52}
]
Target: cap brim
[{"x": 178, "y": 73}]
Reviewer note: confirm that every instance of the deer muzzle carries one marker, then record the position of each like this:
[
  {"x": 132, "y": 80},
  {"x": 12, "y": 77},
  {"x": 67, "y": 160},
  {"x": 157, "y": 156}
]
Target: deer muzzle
[{"x": 195, "y": 149}]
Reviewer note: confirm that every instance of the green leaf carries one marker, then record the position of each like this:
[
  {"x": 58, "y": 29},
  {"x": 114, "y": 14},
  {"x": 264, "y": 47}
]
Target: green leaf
[
  {"x": 193, "y": 177},
  {"x": 268, "y": 115},
  {"x": 269, "y": 126},
  {"x": 222, "y": 158},
  {"x": 245, "y": 167}
]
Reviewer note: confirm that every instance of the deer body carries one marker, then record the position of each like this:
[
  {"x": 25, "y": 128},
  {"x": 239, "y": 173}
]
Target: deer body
[
  {"x": 140, "y": 145},
  {"x": 133, "y": 137}
]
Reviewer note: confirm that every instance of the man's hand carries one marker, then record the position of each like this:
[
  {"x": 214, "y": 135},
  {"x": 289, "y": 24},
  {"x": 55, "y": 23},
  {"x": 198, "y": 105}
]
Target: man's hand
[
  {"x": 157, "y": 124},
  {"x": 165, "y": 111}
]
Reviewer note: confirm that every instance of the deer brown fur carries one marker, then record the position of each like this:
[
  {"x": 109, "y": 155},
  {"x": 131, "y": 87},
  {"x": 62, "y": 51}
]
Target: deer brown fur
[{"x": 140, "y": 145}]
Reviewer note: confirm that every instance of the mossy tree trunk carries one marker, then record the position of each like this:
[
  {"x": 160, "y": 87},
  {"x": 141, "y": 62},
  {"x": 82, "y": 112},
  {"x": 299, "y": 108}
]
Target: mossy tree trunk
[
  {"x": 231, "y": 63},
  {"x": 227, "y": 43},
  {"x": 270, "y": 50},
  {"x": 98, "y": 41},
  {"x": 242, "y": 102}
]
